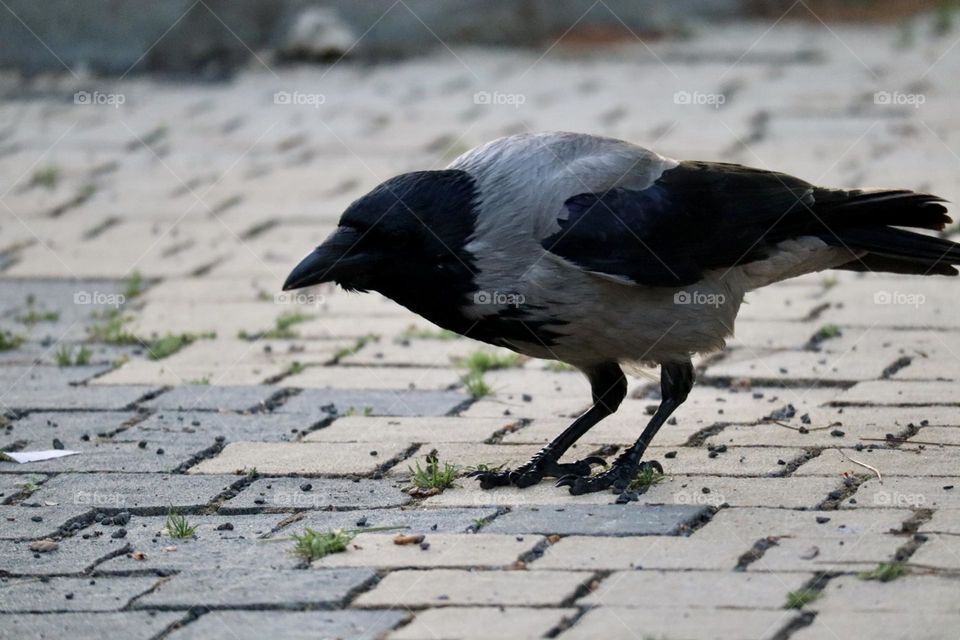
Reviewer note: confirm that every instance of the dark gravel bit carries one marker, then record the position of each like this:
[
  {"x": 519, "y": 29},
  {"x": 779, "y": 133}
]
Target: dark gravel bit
[
  {"x": 781, "y": 462},
  {"x": 85, "y": 437},
  {"x": 374, "y": 453},
  {"x": 627, "y": 497},
  {"x": 306, "y": 486},
  {"x": 822, "y": 519},
  {"x": 57, "y": 444},
  {"x": 142, "y": 444},
  {"x": 259, "y": 501},
  {"x": 526, "y": 397},
  {"x": 195, "y": 423},
  {"x": 37, "y": 518},
  {"x": 119, "y": 533},
  {"x": 837, "y": 433},
  {"x": 705, "y": 490},
  {"x": 947, "y": 487},
  {"x": 362, "y": 522},
  {"x": 226, "y": 526},
  {"x": 68, "y": 596},
  {"x": 121, "y": 519},
  {"x": 160, "y": 452},
  {"x": 712, "y": 454},
  {"x": 424, "y": 546},
  {"x": 805, "y": 418},
  {"x": 803, "y": 430},
  {"x": 669, "y": 455}
]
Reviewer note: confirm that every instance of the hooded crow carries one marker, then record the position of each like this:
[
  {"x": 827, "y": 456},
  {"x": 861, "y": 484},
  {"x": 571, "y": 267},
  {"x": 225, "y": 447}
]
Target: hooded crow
[{"x": 602, "y": 254}]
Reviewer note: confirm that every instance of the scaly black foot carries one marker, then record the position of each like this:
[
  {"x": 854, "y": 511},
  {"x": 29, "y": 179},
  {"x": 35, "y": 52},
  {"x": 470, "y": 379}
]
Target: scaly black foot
[
  {"x": 618, "y": 477},
  {"x": 540, "y": 466}
]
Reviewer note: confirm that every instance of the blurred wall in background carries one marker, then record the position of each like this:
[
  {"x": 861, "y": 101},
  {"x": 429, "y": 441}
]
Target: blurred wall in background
[{"x": 213, "y": 36}]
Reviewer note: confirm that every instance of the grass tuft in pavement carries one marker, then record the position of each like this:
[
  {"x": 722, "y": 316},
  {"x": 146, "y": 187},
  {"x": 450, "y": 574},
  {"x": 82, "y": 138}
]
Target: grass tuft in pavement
[
  {"x": 885, "y": 572},
  {"x": 800, "y": 598},
  {"x": 66, "y": 357},
  {"x": 312, "y": 545},
  {"x": 178, "y": 526}
]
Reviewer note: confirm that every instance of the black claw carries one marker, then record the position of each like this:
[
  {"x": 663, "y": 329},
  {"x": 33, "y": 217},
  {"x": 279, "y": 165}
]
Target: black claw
[{"x": 618, "y": 477}]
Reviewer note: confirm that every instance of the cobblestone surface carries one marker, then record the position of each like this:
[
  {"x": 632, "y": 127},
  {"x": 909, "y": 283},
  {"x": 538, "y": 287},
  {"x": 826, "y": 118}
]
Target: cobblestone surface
[{"x": 142, "y": 250}]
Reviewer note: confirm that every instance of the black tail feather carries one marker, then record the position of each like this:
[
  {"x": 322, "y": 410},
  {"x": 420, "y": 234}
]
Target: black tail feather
[{"x": 867, "y": 222}]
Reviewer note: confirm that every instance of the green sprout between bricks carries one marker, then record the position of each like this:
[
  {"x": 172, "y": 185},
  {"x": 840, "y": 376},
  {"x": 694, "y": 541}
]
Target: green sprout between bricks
[
  {"x": 800, "y": 598},
  {"x": 178, "y": 526},
  {"x": 312, "y": 544},
  {"x": 433, "y": 476}
]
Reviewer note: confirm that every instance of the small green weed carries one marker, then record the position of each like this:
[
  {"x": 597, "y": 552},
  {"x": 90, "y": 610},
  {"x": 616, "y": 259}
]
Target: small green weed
[
  {"x": 482, "y": 361},
  {"x": 433, "y": 476},
  {"x": 476, "y": 386},
  {"x": 8, "y": 341},
  {"x": 885, "y": 572},
  {"x": 178, "y": 526},
  {"x": 800, "y": 598},
  {"x": 66, "y": 357},
  {"x": 312, "y": 545}
]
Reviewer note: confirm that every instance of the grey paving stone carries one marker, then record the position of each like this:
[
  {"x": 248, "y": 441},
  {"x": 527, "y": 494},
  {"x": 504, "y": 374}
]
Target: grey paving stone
[
  {"x": 132, "y": 490},
  {"x": 12, "y": 484},
  {"x": 213, "y": 546},
  {"x": 317, "y": 402},
  {"x": 29, "y": 523},
  {"x": 194, "y": 397},
  {"x": 73, "y": 555},
  {"x": 127, "y": 457},
  {"x": 115, "y": 397},
  {"x": 254, "y": 587},
  {"x": 453, "y": 520},
  {"x": 609, "y": 520},
  {"x": 132, "y": 625},
  {"x": 74, "y": 429},
  {"x": 324, "y": 493},
  {"x": 205, "y": 426},
  {"x": 290, "y": 625},
  {"x": 208, "y": 527},
  {"x": 31, "y": 595}
]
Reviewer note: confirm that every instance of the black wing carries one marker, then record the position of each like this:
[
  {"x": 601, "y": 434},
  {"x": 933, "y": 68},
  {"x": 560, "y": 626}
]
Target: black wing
[{"x": 701, "y": 215}]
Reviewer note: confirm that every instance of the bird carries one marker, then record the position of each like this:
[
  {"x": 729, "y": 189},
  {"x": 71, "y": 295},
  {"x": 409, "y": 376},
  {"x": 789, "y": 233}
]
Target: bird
[{"x": 607, "y": 256}]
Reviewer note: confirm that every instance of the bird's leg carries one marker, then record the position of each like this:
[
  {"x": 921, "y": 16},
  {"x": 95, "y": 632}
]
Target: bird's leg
[
  {"x": 608, "y": 387},
  {"x": 676, "y": 380}
]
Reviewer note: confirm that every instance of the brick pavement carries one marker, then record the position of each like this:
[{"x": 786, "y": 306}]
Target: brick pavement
[{"x": 142, "y": 252}]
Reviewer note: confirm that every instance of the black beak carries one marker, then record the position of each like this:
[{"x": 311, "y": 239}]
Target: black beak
[{"x": 337, "y": 259}]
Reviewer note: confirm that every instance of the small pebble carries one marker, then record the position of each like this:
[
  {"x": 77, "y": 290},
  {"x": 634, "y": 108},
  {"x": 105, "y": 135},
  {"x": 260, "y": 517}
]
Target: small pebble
[
  {"x": 226, "y": 526},
  {"x": 822, "y": 519},
  {"x": 526, "y": 397},
  {"x": 57, "y": 444},
  {"x": 362, "y": 522},
  {"x": 37, "y": 518},
  {"x": 68, "y": 596},
  {"x": 306, "y": 486},
  {"x": 142, "y": 444},
  {"x": 670, "y": 455},
  {"x": 837, "y": 433},
  {"x": 159, "y": 452},
  {"x": 119, "y": 533}
]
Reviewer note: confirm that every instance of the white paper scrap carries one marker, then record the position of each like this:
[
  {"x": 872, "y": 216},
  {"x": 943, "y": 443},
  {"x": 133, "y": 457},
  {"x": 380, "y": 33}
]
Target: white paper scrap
[{"x": 38, "y": 456}]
